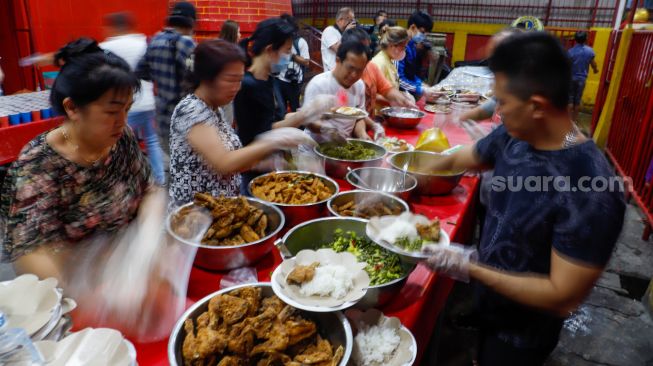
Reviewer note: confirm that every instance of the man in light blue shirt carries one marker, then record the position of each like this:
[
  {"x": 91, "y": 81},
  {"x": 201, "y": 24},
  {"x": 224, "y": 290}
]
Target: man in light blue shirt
[{"x": 581, "y": 57}]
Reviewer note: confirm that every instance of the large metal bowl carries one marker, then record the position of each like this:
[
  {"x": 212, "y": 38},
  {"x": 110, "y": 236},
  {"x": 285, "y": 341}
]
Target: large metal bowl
[
  {"x": 332, "y": 326},
  {"x": 337, "y": 168},
  {"x": 313, "y": 234},
  {"x": 296, "y": 214},
  {"x": 221, "y": 258},
  {"x": 360, "y": 196},
  {"x": 383, "y": 180},
  {"x": 404, "y": 118},
  {"x": 427, "y": 184}
]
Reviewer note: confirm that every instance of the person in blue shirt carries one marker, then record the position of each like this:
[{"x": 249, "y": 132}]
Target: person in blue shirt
[
  {"x": 419, "y": 23},
  {"x": 551, "y": 222},
  {"x": 582, "y": 57}
]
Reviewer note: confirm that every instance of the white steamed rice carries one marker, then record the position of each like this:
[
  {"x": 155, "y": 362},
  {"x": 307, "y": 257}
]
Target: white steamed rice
[
  {"x": 329, "y": 281},
  {"x": 376, "y": 344}
]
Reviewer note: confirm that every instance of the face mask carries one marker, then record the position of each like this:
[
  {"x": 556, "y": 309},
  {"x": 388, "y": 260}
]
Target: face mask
[
  {"x": 282, "y": 64},
  {"x": 419, "y": 37}
]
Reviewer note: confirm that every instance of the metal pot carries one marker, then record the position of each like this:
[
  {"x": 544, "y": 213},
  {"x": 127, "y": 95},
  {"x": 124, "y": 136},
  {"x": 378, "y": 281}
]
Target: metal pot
[
  {"x": 337, "y": 168},
  {"x": 411, "y": 119},
  {"x": 313, "y": 234},
  {"x": 217, "y": 258},
  {"x": 361, "y": 195},
  {"x": 383, "y": 180},
  {"x": 296, "y": 214},
  {"x": 331, "y": 326},
  {"x": 427, "y": 184}
]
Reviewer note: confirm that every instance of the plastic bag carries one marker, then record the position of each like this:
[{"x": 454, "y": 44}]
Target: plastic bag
[
  {"x": 239, "y": 276},
  {"x": 432, "y": 139},
  {"x": 135, "y": 281}
]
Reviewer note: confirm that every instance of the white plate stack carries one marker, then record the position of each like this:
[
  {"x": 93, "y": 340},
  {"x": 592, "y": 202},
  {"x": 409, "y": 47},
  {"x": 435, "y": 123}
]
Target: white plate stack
[{"x": 39, "y": 308}]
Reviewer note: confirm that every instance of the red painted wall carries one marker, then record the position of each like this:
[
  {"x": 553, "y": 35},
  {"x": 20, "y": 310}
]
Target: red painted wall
[
  {"x": 211, "y": 14},
  {"x": 52, "y": 23},
  {"x": 476, "y": 47}
]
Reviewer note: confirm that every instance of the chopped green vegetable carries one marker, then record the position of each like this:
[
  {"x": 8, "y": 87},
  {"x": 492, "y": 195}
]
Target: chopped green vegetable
[
  {"x": 352, "y": 150},
  {"x": 382, "y": 266},
  {"x": 405, "y": 243}
]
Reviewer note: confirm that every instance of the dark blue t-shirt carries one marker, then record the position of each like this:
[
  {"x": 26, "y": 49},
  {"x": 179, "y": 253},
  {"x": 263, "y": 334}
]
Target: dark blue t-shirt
[
  {"x": 555, "y": 208},
  {"x": 581, "y": 56}
]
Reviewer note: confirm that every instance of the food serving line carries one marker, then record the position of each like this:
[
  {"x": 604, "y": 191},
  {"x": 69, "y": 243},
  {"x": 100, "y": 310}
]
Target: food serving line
[{"x": 423, "y": 296}]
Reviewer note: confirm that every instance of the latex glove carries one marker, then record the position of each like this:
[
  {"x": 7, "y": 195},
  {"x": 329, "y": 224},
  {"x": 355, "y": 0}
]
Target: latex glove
[
  {"x": 378, "y": 130},
  {"x": 332, "y": 134},
  {"x": 451, "y": 260},
  {"x": 285, "y": 138},
  {"x": 316, "y": 107}
]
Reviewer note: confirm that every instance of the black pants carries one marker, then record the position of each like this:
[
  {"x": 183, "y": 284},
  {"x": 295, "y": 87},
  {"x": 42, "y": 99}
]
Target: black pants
[
  {"x": 289, "y": 94},
  {"x": 493, "y": 351}
]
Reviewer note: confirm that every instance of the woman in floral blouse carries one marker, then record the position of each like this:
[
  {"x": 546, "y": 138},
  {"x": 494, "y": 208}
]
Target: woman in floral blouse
[
  {"x": 206, "y": 154},
  {"x": 84, "y": 178}
]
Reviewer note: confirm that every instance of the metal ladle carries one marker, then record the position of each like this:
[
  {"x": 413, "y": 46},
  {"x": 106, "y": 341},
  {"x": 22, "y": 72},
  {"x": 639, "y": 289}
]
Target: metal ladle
[{"x": 359, "y": 179}]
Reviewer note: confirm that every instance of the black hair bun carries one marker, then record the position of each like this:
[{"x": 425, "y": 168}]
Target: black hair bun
[{"x": 74, "y": 49}]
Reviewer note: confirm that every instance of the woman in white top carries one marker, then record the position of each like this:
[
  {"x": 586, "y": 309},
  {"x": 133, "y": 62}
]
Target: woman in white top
[{"x": 206, "y": 153}]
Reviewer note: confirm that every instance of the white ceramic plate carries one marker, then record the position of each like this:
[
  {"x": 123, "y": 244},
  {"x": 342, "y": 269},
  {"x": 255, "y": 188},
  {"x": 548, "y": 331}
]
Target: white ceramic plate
[
  {"x": 372, "y": 230},
  {"x": 29, "y": 303},
  {"x": 404, "y": 355},
  {"x": 89, "y": 347},
  {"x": 291, "y": 295}
]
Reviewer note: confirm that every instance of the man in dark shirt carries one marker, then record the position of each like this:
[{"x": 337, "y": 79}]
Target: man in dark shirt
[
  {"x": 582, "y": 57},
  {"x": 552, "y": 217},
  {"x": 164, "y": 63}
]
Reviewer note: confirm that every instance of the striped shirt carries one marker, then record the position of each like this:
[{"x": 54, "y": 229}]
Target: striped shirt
[{"x": 165, "y": 63}]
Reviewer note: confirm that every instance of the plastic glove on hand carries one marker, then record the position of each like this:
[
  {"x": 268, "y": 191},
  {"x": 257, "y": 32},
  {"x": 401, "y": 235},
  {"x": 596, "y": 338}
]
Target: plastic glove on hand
[
  {"x": 451, "y": 260},
  {"x": 315, "y": 108},
  {"x": 286, "y": 138},
  {"x": 332, "y": 133},
  {"x": 378, "y": 131}
]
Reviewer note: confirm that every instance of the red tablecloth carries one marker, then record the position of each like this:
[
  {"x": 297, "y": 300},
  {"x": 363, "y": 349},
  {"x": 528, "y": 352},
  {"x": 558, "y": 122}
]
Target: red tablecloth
[{"x": 422, "y": 298}]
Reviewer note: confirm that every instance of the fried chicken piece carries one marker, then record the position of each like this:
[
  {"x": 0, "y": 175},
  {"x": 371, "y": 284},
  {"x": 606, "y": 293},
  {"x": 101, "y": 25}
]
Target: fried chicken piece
[
  {"x": 299, "y": 329},
  {"x": 261, "y": 226},
  {"x": 430, "y": 232},
  {"x": 205, "y": 199},
  {"x": 242, "y": 208},
  {"x": 230, "y": 308},
  {"x": 249, "y": 234},
  {"x": 241, "y": 339},
  {"x": 277, "y": 340},
  {"x": 254, "y": 216},
  {"x": 188, "y": 350},
  {"x": 275, "y": 358},
  {"x": 231, "y": 361},
  {"x": 316, "y": 353},
  {"x": 225, "y": 221},
  {"x": 302, "y": 274},
  {"x": 274, "y": 303},
  {"x": 250, "y": 294},
  {"x": 335, "y": 360},
  {"x": 201, "y": 345}
]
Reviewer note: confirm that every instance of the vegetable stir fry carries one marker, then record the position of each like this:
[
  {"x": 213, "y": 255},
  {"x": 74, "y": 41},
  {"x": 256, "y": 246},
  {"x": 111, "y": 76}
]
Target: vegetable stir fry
[
  {"x": 382, "y": 265},
  {"x": 352, "y": 150},
  {"x": 414, "y": 245}
]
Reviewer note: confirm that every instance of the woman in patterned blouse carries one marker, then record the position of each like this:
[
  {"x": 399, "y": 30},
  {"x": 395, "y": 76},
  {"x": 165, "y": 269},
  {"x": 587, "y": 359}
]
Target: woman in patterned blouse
[
  {"x": 84, "y": 178},
  {"x": 206, "y": 153}
]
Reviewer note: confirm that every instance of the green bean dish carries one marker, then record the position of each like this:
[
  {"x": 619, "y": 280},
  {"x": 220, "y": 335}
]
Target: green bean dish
[{"x": 352, "y": 150}]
